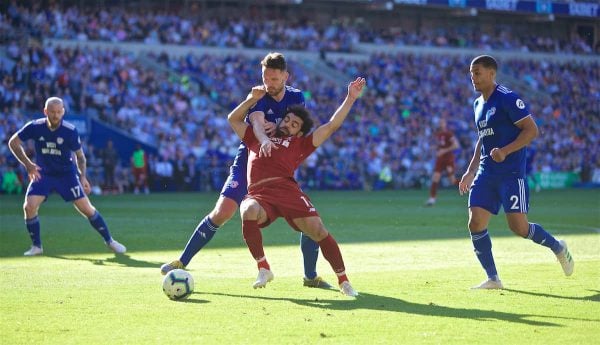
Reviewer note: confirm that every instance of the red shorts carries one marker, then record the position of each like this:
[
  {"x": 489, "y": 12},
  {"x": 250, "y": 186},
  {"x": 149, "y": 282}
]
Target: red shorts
[
  {"x": 138, "y": 172},
  {"x": 282, "y": 198},
  {"x": 444, "y": 163}
]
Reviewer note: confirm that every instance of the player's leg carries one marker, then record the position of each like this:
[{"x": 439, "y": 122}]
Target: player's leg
[
  {"x": 515, "y": 199},
  {"x": 435, "y": 181},
  {"x": 310, "y": 255},
  {"x": 483, "y": 202},
  {"x": 233, "y": 192},
  {"x": 36, "y": 194},
  {"x": 482, "y": 245},
  {"x": 313, "y": 227},
  {"x": 254, "y": 214},
  {"x": 451, "y": 175},
  {"x": 224, "y": 209},
  {"x": 32, "y": 223},
  {"x": 85, "y": 207}
]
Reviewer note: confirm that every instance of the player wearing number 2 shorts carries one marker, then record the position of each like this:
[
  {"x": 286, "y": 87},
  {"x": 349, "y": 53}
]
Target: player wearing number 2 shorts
[
  {"x": 496, "y": 174},
  {"x": 55, "y": 141}
]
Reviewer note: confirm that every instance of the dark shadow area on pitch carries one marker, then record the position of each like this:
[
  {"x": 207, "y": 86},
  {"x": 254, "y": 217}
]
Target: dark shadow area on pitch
[
  {"x": 391, "y": 304},
  {"x": 119, "y": 259},
  {"x": 193, "y": 300},
  {"x": 594, "y": 298}
]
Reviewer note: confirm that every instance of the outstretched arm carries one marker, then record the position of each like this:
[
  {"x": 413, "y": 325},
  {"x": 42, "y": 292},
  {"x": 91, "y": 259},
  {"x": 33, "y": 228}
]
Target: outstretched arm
[
  {"x": 324, "y": 131},
  {"x": 237, "y": 116}
]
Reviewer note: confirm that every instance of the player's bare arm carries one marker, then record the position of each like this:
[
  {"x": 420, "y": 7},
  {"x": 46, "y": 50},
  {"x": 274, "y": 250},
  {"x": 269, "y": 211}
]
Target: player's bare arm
[
  {"x": 81, "y": 163},
  {"x": 468, "y": 177},
  {"x": 263, "y": 129},
  {"x": 529, "y": 131},
  {"x": 237, "y": 115},
  {"x": 16, "y": 147},
  {"x": 324, "y": 131}
]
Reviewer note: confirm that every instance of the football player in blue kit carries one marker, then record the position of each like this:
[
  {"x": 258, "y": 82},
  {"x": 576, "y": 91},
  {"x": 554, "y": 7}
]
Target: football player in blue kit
[
  {"x": 496, "y": 173},
  {"x": 55, "y": 142},
  {"x": 263, "y": 117}
]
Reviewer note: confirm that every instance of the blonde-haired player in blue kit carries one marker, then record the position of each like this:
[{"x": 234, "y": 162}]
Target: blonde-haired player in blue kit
[
  {"x": 55, "y": 141},
  {"x": 496, "y": 174}
]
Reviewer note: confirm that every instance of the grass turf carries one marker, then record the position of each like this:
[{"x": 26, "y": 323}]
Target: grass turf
[{"x": 412, "y": 265}]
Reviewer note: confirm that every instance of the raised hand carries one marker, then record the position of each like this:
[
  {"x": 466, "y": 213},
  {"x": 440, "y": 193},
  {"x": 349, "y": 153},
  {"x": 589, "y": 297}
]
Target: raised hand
[{"x": 355, "y": 87}]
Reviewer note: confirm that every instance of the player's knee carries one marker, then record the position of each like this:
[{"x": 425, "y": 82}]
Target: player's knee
[
  {"x": 476, "y": 225},
  {"x": 222, "y": 214},
  {"x": 316, "y": 232},
  {"x": 518, "y": 230},
  {"x": 29, "y": 209},
  {"x": 250, "y": 210}
]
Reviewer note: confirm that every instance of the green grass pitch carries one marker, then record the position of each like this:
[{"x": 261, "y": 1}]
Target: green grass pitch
[{"x": 412, "y": 265}]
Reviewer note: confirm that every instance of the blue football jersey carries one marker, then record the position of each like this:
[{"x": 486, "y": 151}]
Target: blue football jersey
[
  {"x": 495, "y": 121},
  {"x": 53, "y": 148},
  {"x": 275, "y": 111}
]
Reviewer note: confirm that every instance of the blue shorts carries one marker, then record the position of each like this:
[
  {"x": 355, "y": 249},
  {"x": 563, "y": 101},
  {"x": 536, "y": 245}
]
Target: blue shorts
[
  {"x": 489, "y": 192},
  {"x": 236, "y": 186},
  {"x": 67, "y": 185}
]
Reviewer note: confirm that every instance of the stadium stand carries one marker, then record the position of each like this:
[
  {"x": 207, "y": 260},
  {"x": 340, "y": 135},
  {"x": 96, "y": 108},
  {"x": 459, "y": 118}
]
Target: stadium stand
[{"x": 149, "y": 73}]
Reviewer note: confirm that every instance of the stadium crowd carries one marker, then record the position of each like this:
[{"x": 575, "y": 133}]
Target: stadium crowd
[
  {"x": 180, "y": 108},
  {"x": 255, "y": 27}
]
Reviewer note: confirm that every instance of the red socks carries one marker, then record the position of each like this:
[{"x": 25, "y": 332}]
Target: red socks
[
  {"x": 331, "y": 252},
  {"x": 253, "y": 237},
  {"x": 433, "y": 189}
]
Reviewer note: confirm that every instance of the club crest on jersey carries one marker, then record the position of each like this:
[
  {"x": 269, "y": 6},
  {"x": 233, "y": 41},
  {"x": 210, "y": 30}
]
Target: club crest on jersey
[
  {"x": 282, "y": 142},
  {"x": 520, "y": 104},
  {"x": 490, "y": 113},
  {"x": 60, "y": 140}
]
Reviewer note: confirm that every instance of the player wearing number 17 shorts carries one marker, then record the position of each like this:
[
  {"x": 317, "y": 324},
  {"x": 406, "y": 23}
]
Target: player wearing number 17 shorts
[
  {"x": 496, "y": 174},
  {"x": 55, "y": 141}
]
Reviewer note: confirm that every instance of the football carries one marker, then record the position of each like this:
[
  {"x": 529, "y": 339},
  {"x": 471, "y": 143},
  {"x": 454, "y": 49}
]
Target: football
[{"x": 178, "y": 284}]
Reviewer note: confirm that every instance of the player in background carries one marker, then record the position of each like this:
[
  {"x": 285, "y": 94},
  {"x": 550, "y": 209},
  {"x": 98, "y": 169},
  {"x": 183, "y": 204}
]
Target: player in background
[
  {"x": 272, "y": 190},
  {"x": 265, "y": 114},
  {"x": 496, "y": 173},
  {"x": 55, "y": 142},
  {"x": 139, "y": 169},
  {"x": 446, "y": 143}
]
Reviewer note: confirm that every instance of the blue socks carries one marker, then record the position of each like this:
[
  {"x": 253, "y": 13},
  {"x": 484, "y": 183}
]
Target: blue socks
[
  {"x": 483, "y": 249},
  {"x": 33, "y": 227},
  {"x": 310, "y": 252},
  {"x": 98, "y": 223},
  {"x": 201, "y": 236},
  {"x": 540, "y": 236}
]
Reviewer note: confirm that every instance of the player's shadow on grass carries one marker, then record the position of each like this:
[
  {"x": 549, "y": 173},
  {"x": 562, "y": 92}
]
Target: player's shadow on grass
[
  {"x": 116, "y": 260},
  {"x": 594, "y": 298},
  {"x": 391, "y": 304}
]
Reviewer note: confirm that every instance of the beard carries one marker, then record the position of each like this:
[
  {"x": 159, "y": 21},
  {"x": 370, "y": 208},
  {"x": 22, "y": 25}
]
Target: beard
[
  {"x": 275, "y": 91},
  {"x": 279, "y": 133}
]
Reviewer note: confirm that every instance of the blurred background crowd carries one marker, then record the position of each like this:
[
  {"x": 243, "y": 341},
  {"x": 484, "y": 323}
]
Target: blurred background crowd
[{"x": 175, "y": 105}]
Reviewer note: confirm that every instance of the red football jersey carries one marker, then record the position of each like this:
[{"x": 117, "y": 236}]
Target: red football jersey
[
  {"x": 290, "y": 153},
  {"x": 444, "y": 139}
]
